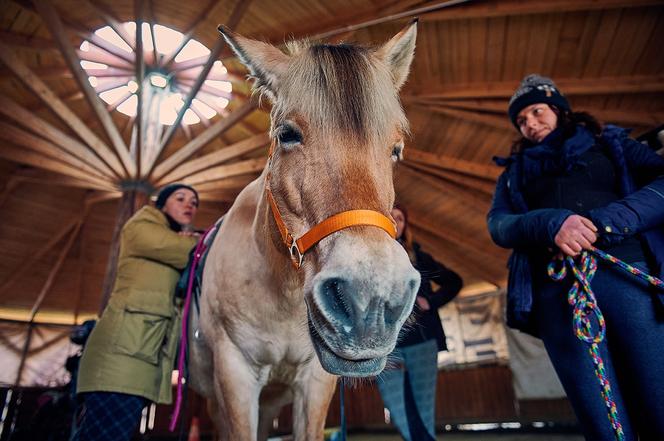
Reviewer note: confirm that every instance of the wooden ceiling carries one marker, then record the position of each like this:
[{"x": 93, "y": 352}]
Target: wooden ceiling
[{"x": 64, "y": 154}]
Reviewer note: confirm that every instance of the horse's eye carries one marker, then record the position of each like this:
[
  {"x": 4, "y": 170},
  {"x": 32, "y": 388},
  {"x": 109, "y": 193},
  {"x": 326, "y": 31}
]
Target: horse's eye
[
  {"x": 288, "y": 136},
  {"x": 397, "y": 152}
]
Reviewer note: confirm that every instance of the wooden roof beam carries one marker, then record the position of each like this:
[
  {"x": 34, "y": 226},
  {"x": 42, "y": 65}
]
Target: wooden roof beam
[
  {"x": 226, "y": 171},
  {"x": 52, "y": 20},
  {"x": 48, "y": 284},
  {"x": 218, "y": 157},
  {"x": 216, "y": 129},
  {"x": 44, "y": 177},
  {"x": 112, "y": 21},
  {"x": 480, "y": 201},
  {"x": 518, "y": 7},
  {"x": 60, "y": 109},
  {"x": 26, "y": 41},
  {"x": 569, "y": 86},
  {"x": 230, "y": 183},
  {"x": 465, "y": 182},
  {"x": 11, "y": 133},
  {"x": 32, "y": 122},
  {"x": 140, "y": 80},
  {"x": 234, "y": 19},
  {"x": 96, "y": 55},
  {"x": 32, "y": 258},
  {"x": 487, "y": 172},
  {"x": 209, "y": 11},
  {"x": 24, "y": 156},
  {"x": 486, "y": 266}
]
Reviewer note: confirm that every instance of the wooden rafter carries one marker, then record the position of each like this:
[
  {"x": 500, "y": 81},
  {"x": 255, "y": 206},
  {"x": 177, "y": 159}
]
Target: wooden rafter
[
  {"x": 230, "y": 183},
  {"x": 487, "y": 172},
  {"x": 447, "y": 188},
  {"x": 499, "y": 107},
  {"x": 56, "y": 268},
  {"x": 32, "y": 258},
  {"x": 218, "y": 157},
  {"x": 17, "y": 136},
  {"x": 60, "y": 109},
  {"x": 23, "y": 156},
  {"x": 467, "y": 241},
  {"x": 203, "y": 139},
  {"x": 9, "y": 187},
  {"x": 139, "y": 127},
  {"x": 27, "y": 42},
  {"x": 460, "y": 257},
  {"x": 47, "y": 178},
  {"x": 465, "y": 182},
  {"x": 112, "y": 21},
  {"x": 30, "y": 121},
  {"x": 52, "y": 20},
  {"x": 152, "y": 21},
  {"x": 97, "y": 55},
  {"x": 226, "y": 171},
  {"x": 488, "y": 119},
  {"x": 518, "y": 7},
  {"x": 570, "y": 86},
  {"x": 42, "y": 71},
  {"x": 235, "y": 17},
  {"x": 170, "y": 132},
  {"x": 204, "y": 13},
  {"x": 96, "y": 40}
]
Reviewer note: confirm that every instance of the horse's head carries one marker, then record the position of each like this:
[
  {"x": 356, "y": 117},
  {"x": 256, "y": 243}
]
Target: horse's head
[{"x": 337, "y": 130}]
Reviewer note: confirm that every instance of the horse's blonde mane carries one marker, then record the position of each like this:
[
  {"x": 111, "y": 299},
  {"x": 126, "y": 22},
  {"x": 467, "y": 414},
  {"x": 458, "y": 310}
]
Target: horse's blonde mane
[{"x": 340, "y": 88}]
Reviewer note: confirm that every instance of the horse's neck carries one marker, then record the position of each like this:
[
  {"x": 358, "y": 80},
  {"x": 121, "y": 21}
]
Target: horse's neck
[{"x": 264, "y": 230}]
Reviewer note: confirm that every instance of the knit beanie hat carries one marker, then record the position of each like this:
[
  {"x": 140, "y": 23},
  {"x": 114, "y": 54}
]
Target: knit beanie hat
[
  {"x": 168, "y": 190},
  {"x": 535, "y": 89}
]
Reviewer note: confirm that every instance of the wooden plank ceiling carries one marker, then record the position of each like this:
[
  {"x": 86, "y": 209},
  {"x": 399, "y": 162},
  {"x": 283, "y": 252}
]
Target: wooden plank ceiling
[{"x": 64, "y": 152}]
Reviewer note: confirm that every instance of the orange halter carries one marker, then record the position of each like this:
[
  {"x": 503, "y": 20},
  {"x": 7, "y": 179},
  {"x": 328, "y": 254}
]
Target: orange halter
[{"x": 334, "y": 223}]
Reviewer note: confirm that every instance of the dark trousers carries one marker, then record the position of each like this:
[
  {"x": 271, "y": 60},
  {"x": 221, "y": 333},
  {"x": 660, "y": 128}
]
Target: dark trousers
[
  {"x": 633, "y": 354},
  {"x": 107, "y": 416}
]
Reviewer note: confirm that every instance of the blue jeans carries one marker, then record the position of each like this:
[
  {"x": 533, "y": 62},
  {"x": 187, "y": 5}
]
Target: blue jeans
[
  {"x": 633, "y": 353},
  {"x": 409, "y": 392}
]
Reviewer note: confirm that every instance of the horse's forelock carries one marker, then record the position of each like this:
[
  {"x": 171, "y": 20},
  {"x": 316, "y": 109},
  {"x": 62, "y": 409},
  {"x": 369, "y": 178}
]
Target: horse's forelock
[{"x": 342, "y": 87}]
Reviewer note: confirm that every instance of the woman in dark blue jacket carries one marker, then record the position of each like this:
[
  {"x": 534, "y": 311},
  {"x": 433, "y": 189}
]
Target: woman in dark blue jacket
[
  {"x": 569, "y": 185},
  {"x": 409, "y": 389}
]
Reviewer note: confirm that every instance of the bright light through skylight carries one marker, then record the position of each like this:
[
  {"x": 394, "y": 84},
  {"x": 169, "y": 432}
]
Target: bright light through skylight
[{"x": 171, "y": 83}]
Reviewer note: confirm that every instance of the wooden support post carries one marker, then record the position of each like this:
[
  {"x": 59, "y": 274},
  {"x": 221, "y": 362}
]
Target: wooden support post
[{"x": 132, "y": 199}]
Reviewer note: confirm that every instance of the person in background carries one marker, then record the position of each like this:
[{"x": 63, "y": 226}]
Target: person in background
[
  {"x": 409, "y": 389},
  {"x": 571, "y": 184},
  {"x": 129, "y": 357}
]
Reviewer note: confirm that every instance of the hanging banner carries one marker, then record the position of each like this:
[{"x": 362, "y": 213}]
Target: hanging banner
[{"x": 474, "y": 330}]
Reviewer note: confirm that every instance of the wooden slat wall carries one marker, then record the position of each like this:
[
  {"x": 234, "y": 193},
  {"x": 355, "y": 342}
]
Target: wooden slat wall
[{"x": 475, "y": 394}]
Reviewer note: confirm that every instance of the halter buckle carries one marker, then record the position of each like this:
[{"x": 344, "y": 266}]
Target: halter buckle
[{"x": 296, "y": 256}]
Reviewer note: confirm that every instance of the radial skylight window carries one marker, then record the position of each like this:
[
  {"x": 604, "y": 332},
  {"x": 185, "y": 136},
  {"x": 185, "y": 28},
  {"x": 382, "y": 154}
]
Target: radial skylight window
[{"x": 171, "y": 70}]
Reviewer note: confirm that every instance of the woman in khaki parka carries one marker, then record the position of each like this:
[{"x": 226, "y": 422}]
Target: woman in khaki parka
[{"x": 129, "y": 357}]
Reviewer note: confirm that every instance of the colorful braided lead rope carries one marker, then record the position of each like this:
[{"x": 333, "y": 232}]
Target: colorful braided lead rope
[{"x": 582, "y": 298}]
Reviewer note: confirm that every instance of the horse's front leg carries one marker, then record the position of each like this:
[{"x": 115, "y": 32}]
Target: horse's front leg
[
  {"x": 313, "y": 389},
  {"x": 237, "y": 388}
]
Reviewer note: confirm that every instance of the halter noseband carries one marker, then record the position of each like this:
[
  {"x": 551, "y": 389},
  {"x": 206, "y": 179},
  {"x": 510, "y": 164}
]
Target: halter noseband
[{"x": 334, "y": 223}]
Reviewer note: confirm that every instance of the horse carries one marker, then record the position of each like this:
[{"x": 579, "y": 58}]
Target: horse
[{"x": 281, "y": 319}]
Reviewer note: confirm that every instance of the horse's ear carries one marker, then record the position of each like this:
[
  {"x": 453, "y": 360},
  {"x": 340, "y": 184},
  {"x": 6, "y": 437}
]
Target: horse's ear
[
  {"x": 398, "y": 53},
  {"x": 266, "y": 63}
]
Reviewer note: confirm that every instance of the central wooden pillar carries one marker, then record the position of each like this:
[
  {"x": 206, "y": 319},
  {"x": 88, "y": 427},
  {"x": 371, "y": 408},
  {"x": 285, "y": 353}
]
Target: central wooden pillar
[{"x": 135, "y": 194}]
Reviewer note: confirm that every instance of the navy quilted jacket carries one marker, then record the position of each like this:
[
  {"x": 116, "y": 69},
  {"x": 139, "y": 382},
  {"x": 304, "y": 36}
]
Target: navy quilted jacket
[{"x": 640, "y": 211}]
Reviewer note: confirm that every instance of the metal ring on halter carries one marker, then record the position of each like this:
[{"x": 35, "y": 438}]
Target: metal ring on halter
[{"x": 296, "y": 256}]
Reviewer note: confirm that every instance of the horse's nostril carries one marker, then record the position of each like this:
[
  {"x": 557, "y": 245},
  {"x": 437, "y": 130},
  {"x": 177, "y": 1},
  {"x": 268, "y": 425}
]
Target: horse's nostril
[
  {"x": 413, "y": 285},
  {"x": 392, "y": 313},
  {"x": 333, "y": 297}
]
